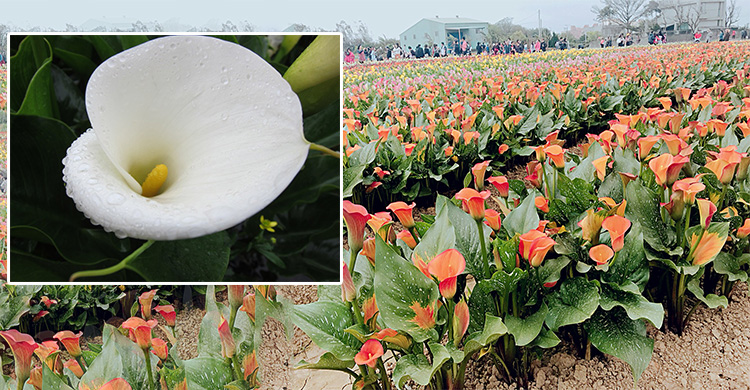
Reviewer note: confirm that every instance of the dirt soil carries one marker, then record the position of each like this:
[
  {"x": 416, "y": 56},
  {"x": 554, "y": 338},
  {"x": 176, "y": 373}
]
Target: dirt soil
[{"x": 713, "y": 353}]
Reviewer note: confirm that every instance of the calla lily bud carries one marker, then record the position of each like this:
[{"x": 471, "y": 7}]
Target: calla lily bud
[
  {"x": 348, "y": 291},
  {"x": 460, "y": 321},
  {"x": 145, "y": 300},
  {"x": 188, "y": 134},
  {"x": 228, "y": 346}
]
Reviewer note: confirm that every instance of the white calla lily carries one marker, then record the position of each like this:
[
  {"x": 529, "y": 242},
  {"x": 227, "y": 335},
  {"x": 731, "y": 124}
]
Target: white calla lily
[{"x": 225, "y": 124}]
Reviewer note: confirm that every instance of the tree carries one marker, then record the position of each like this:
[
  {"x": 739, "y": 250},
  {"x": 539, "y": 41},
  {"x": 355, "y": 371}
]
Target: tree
[
  {"x": 681, "y": 14},
  {"x": 732, "y": 15},
  {"x": 354, "y": 36},
  {"x": 624, "y": 13}
]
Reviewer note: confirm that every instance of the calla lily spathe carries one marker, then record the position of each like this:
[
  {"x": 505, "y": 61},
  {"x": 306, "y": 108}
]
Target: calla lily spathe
[{"x": 225, "y": 125}]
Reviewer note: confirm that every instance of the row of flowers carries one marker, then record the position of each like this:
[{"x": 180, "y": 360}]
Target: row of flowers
[
  {"x": 133, "y": 357},
  {"x": 412, "y": 129},
  {"x": 650, "y": 211}
]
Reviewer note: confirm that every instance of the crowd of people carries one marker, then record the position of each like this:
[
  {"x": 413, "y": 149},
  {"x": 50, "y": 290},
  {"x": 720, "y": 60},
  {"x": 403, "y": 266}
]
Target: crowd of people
[
  {"x": 460, "y": 48},
  {"x": 463, "y": 47}
]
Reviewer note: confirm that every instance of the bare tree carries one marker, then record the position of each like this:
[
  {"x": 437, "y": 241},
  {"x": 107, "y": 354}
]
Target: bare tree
[
  {"x": 732, "y": 15},
  {"x": 693, "y": 18},
  {"x": 679, "y": 13},
  {"x": 624, "y": 13},
  {"x": 354, "y": 36}
]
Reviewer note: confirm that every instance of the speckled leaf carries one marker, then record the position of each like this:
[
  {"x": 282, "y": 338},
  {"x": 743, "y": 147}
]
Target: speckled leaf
[
  {"x": 326, "y": 323},
  {"x": 631, "y": 264},
  {"x": 209, "y": 342},
  {"x": 546, "y": 339},
  {"x": 418, "y": 368},
  {"x": 493, "y": 329},
  {"x": 574, "y": 302},
  {"x": 728, "y": 264},
  {"x": 711, "y": 300},
  {"x": 550, "y": 269},
  {"x": 467, "y": 238},
  {"x": 585, "y": 170},
  {"x": 327, "y": 362},
  {"x": 614, "y": 333},
  {"x": 207, "y": 373},
  {"x": 399, "y": 285},
  {"x": 527, "y": 329},
  {"x": 643, "y": 208},
  {"x": 50, "y": 381},
  {"x": 635, "y": 304},
  {"x": 523, "y": 218},
  {"x": 440, "y": 236}
]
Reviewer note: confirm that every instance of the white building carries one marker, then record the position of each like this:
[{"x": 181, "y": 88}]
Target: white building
[{"x": 689, "y": 16}]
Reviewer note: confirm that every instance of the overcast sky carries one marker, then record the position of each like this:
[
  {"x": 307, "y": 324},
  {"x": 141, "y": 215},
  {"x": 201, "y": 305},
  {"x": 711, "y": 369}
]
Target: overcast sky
[{"x": 383, "y": 17}]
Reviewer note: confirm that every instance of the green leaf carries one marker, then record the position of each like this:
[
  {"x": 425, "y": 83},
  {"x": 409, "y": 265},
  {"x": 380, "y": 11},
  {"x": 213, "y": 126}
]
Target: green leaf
[
  {"x": 33, "y": 53},
  {"x": 712, "y": 301},
  {"x": 585, "y": 170},
  {"x": 492, "y": 330},
  {"x": 14, "y": 306},
  {"x": 400, "y": 288},
  {"x": 418, "y": 368},
  {"x": 120, "y": 358},
  {"x": 207, "y": 373},
  {"x": 440, "y": 236},
  {"x": 467, "y": 238},
  {"x": 199, "y": 259},
  {"x": 727, "y": 264},
  {"x": 523, "y": 218},
  {"x": 631, "y": 264},
  {"x": 209, "y": 342},
  {"x": 327, "y": 362},
  {"x": 578, "y": 193},
  {"x": 550, "y": 269},
  {"x": 507, "y": 250},
  {"x": 326, "y": 323},
  {"x": 546, "y": 339},
  {"x": 643, "y": 209},
  {"x": 41, "y": 210},
  {"x": 352, "y": 177},
  {"x": 635, "y": 304},
  {"x": 574, "y": 302},
  {"x": 50, "y": 380},
  {"x": 525, "y": 330},
  {"x": 612, "y": 332}
]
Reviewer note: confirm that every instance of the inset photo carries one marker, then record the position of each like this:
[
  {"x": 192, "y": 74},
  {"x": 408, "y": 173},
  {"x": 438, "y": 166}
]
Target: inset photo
[{"x": 174, "y": 159}]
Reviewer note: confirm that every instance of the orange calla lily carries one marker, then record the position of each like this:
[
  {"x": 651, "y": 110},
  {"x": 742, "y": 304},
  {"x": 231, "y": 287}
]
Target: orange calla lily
[
  {"x": 617, "y": 226},
  {"x": 403, "y": 212},
  {"x": 708, "y": 247},
  {"x": 707, "y": 210},
  {"x": 369, "y": 354},
  {"x": 601, "y": 253},
  {"x": 446, "y": 266},
  {"x": 744, "y": 230},
  {"x": 473, "y": 202},
  {"x": 356, "y": 217},
  {"x": 534, "y": 246},
  {"x": 478, "y": 171}
]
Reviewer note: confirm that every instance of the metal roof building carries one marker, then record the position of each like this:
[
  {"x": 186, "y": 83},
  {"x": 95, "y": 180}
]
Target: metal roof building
[{"x": 438, "y": 30}]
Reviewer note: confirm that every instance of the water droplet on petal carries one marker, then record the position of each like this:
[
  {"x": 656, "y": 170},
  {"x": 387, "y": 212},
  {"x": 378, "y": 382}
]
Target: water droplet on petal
[{"x": 115, "y": 199}]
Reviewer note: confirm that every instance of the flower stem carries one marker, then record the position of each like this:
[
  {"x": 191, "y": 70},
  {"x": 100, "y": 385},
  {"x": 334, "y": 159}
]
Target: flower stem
[
  {"x": 323, "y": 149},
  {"x": 485, "y": 260},
  {"x": 110, "y": 270},
  {"x": 148, "y": 369}
]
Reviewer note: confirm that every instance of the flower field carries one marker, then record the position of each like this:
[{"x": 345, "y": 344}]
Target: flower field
[{"x": 634, "y": 209}]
